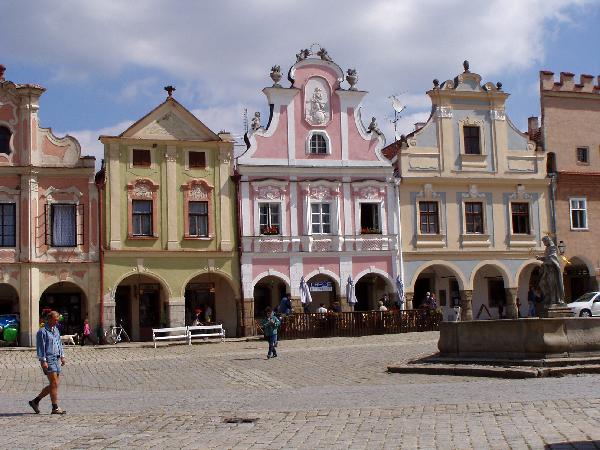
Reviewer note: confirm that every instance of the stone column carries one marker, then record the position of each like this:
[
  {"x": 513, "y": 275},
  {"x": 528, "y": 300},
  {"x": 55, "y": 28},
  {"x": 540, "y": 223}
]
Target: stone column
[
  {"x": 296, "y": 305},
  {"x": 176, "y": 311},
  {"x": 466, "y": 305},
  {"x": 408, "y": 298},
  {"x": 511, "y": 303},
  {"x": 247, "y": 326}
]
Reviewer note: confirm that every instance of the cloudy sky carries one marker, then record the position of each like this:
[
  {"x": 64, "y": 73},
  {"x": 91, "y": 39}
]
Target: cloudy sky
[{"x": 105, "y": 62}]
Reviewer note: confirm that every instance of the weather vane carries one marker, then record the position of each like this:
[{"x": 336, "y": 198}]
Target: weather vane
[{"x": 169, "y": 90}]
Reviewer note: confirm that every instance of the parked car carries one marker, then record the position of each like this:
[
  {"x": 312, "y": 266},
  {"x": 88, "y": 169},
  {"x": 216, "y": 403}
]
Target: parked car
[
  {"x": 587, "y": 305},
  {"x": 7, "y": 320}
]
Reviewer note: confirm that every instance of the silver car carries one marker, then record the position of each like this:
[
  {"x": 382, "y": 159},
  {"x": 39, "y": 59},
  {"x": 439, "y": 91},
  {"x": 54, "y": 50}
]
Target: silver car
[{"x": 587, "y": 305}]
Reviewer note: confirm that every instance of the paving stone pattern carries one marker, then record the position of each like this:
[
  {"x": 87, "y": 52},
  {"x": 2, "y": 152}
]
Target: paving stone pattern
[{"x": 319, "y": 393}]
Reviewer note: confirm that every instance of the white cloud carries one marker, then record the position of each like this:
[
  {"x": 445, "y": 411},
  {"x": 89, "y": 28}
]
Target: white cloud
[
  {"x": 88, "y": 139},
  {"x": 220, "y": 52}
]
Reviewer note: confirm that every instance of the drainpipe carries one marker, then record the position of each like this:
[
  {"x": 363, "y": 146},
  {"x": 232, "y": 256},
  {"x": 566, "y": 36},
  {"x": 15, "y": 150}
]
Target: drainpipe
[
  {"x": 237, "y": 179},
  {"x": 100, "y": 184},
  {"x": 553, "y": 178}
]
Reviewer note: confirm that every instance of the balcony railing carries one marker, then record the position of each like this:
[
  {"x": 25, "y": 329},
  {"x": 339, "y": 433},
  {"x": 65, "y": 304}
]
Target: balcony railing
[{"x": 319, "y": 243}]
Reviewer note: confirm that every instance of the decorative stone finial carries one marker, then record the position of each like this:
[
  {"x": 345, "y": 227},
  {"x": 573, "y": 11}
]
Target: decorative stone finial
[
  {"x": 169, "y": 90},
  {"x": 2, "y": 70},
  {"x": 324, "y": 55},
  {"x": 305, "y": 53},
  {"x": 466, "y": 65},
  {"x": 436, "y": 83},
  {"x": 352, "y": 78},
  {"x": 276, "y": 75},
  {"x": 373, "y": 128},
  {"x": 499, "y": 86},
  {"x": 255, "y": 121}
]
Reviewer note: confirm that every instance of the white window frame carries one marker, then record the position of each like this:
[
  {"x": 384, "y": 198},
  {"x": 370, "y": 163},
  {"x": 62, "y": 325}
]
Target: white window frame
[
  {"x": 331, "y": 220},
  {"x": 281, "y": 212},
  {"x": 75, "y": 199},
  {"x": 141, "y": 147},
  {"x": 327, "y": 141},
  {"x": 380, "y": 212},
  {"x": 571, "y": 209}
]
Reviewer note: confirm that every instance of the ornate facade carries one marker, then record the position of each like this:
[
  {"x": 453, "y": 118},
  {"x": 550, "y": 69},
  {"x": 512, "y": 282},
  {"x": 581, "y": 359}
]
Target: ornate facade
[
  {"x": 169, "y": 224},
  {"x": 48, "y": 218},
  {"x": 318, "y": 199},
  {"x": 473, "y": 202}
]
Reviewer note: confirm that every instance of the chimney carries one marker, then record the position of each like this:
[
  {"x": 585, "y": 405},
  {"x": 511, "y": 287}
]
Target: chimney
[
  {"x": 2, "y": 70},
  {"x": 587, "y": 83},
  {"x": 532, "y": 126}
]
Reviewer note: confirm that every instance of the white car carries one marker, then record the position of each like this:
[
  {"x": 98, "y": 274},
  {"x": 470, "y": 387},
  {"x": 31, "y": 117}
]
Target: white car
[{"x": 587, "y": 305}]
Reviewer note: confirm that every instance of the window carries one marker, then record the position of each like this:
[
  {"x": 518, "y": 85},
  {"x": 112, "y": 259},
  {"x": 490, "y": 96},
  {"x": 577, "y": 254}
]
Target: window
[
  {"x": 5, "y": 135},
  {"x": 369, "y": 218},
  {"x": 321, "y": 218},
  {"x": 428, "y": 217},
  {"x": 63, "y": 218},
  {"x": 318, "y": 144},
  {"x": 142, "y": 217},
  {"x": 578, "y": 208},
  {"x": 474, "y": 217},
  {"x": 471, "y": 136},
  {"x": 583, "y": 155},
  {"x": 197, "y": 159},
  {"x": 198, "y": 219},
  {"x": 269, "y": 218},
  {"x": 7, "y": 225},
  {"x": 141, "y": 158},
  {"x": 520, "y": 218}
]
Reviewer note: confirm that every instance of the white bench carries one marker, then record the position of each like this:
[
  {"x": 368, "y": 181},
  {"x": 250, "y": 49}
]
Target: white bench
[
  {"x": 167, "y": 334},
  {"x": 68, "y": 339},
  {"x": 206, "y": 331}
]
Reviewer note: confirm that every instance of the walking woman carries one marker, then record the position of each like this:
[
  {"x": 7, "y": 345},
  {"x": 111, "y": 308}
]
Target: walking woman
[{"x": 270, "y": 324}]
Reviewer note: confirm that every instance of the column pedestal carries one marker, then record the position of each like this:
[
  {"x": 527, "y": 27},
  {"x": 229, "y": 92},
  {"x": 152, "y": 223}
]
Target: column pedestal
[
  {"x": 408, "y": 296},
  {"x": 176, "y": 312},
  {"x": 511, "y": 303},
  {"x": 466, "y": 302}
]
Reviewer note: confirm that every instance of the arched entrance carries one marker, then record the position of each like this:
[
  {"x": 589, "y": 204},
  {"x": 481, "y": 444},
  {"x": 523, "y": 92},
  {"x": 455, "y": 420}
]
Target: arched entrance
[
  {"x": 371, "y": 288},
  {"x": 9, "y": 299},
  {"x": 528, "y": 277},
  {"x": 268, "y": 291},
  {"x": 440, "y": 280},
  {"x": 140, "y": 305},
  {"x": 577, "y": 279},
  {"x": 489, "y": 293},
  {"x": 69, "y": 300},
  {"x": 213, "y": 296},
  {"x": 323, "y": 289}
]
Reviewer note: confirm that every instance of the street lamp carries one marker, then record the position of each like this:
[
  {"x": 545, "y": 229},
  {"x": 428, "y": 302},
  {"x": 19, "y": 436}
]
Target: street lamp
[{"x": 562, "y": 247}]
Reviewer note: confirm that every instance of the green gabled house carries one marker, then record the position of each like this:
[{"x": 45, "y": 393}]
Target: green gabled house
[{"x": 168, "y": 217}]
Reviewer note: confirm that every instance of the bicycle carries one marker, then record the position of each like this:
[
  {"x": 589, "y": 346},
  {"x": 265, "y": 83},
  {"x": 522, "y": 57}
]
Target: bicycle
[{"x": 116, "y": 334}]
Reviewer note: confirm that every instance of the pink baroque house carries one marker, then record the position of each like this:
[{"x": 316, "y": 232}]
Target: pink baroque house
[
  {"x": 48, "y": 219},
  {"x": 319, "y": 201}
]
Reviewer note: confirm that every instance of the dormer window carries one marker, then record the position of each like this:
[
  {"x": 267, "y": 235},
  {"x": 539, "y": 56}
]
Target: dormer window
[
  {"x": 5, "y": 135},
  {"x": 471, "y": 138},
  {"x": 318, "y": 144}
]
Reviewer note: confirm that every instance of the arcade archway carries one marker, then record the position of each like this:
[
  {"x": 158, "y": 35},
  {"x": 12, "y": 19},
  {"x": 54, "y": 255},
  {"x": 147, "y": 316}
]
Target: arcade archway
[
  {"x": 9, "y": 299},
  {"x": 577, "y": 279},
  {"x": 323, "y": 290},
  {"x": 370, "y": 289},
  {"x": 268, "y": 291},
  {"x": 489, "y": 293},
  {"x": 70, "y": 301},
  {"x": 440, "y": 280}
]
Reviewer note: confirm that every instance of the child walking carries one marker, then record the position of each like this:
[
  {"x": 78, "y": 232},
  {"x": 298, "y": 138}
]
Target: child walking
[{"x": 270, "y": 325}]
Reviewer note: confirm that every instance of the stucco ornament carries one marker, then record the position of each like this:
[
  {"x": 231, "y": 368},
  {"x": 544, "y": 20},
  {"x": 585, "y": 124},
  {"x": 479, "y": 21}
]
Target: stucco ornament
[
  {"x": 444, "y": 112},
  {"x": 352, "y": 78},
  {"x": 256, "y": 121},
  {"x": 317, "y": 111},
  {"x": 373, "y": 128},
  {"x": 198, "y": 193},
  {"x": 302, "y": 55},
  {"x": 370, "y": 193},
  {"x": 142, "y": 190},
  {"x": 497, "y": 114},
  {"x": 270, "y": 192},
  {"x": 324, "y": 55},
  {"x": 551, "y": 280},
  {"x": 276, "y": 75},
  {"x": 320, "y": 193}
]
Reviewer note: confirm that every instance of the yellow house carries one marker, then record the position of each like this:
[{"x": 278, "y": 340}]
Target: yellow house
[
  {"x": 169, "y": 224},
  {"x": 473, "y": 202}
]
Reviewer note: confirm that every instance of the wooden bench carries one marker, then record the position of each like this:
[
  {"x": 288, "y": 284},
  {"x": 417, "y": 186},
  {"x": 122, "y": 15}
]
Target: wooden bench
[
  {"x": 206, "y": 331},
  {"x": 167, "y": 334}
]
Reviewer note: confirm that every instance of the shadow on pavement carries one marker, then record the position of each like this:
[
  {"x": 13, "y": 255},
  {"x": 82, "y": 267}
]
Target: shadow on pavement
[{"x": 573, "y": 445}]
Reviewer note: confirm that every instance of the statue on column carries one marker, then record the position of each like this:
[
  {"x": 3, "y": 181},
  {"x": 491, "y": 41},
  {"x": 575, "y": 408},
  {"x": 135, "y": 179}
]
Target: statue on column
[{"x": 551, "y": 280}]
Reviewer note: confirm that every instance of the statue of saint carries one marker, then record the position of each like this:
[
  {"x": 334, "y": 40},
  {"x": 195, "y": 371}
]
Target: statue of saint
[{"x": 551, "y": 281}]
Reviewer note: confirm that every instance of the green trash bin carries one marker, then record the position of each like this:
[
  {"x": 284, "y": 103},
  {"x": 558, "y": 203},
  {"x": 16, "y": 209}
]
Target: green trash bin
[{"x": 11, "y": 334}]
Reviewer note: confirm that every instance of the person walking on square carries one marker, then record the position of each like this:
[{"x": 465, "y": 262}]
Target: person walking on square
[
  {"x": 86, "y": 335},
  {"x": 51, "y": 356},
  {"x": 270, "y": 324}
]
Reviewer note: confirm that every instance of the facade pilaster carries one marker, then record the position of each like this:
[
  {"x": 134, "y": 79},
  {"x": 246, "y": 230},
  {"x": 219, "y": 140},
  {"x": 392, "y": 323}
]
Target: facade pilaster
[
  {"x": 408, "y": 296},
  {"x": 225, "y": 155},
  {"x": 176, "y": 311},
  {"x": 172, "y": 204},
  {"x": 114, "y": 180}
]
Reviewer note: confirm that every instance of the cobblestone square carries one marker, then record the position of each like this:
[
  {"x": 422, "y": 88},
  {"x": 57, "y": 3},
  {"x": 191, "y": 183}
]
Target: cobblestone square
[{"x": 319, "y": 393}]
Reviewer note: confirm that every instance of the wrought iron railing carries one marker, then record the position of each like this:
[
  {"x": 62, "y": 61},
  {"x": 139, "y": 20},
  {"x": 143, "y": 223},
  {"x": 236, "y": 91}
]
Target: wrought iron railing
[{"x": 348, "y": 324}]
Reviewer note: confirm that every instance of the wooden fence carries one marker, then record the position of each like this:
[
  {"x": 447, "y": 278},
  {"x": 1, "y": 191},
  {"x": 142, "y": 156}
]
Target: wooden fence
[{"x": 347, "y": 324}]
